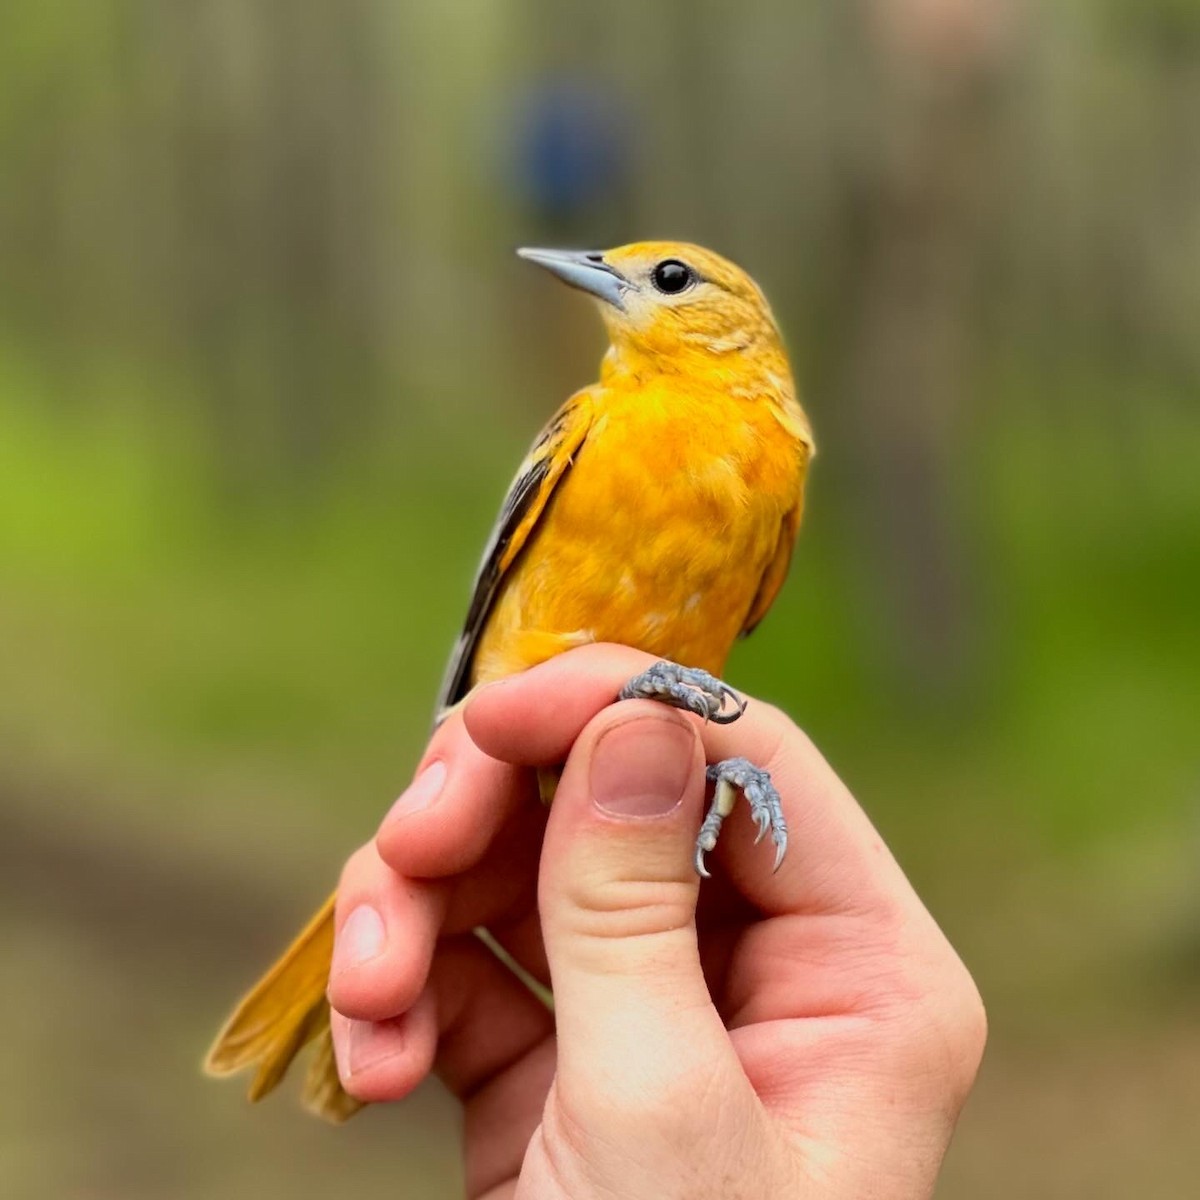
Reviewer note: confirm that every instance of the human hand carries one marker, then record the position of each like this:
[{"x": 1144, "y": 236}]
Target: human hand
[{"x": 808, "y": 1033}]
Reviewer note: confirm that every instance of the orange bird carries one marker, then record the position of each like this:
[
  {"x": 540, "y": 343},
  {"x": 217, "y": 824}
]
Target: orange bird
[{"x": 658, "y": 509}]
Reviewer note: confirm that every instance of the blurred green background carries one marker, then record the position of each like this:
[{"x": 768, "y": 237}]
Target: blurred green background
[{"x": 267, "y": 364}]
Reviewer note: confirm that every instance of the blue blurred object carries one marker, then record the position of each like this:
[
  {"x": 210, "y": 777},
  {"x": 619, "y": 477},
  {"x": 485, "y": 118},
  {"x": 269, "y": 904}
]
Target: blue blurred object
[{"x": 572, "y": 149}]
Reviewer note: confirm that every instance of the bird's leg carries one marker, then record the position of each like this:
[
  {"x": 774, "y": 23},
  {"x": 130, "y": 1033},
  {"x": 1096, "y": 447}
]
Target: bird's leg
[
  {"x": 688, "y": 688},
  {"x": 732, "y": 775},
  {"x": 699, "y": 692}
]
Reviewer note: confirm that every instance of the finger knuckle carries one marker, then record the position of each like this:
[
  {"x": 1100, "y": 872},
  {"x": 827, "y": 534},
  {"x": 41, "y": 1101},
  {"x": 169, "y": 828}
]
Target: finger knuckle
[
  {"x": 783, "y": 739},
  {"x": 942, "y": 1035},
  {"x": 357, "y": 872},
  {"x": 630, "y": 908},
  {"x": 968, "y": 1028}
]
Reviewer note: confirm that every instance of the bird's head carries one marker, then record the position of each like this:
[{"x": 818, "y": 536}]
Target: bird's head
[
  {"x": 671, "y": 301},
  {"x": 672, "y": 308}
]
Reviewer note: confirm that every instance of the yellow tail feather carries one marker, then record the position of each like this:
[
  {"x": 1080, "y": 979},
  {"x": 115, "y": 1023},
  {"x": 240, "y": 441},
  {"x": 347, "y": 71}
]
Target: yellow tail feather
[{"x": 284, "y": 1011}]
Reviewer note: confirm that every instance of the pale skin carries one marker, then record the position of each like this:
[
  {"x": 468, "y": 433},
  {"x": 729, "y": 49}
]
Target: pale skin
[{"x": 805, "y": 1034}]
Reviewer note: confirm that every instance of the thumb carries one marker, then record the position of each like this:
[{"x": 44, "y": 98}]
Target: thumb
[{"x": 617, "y": 895}]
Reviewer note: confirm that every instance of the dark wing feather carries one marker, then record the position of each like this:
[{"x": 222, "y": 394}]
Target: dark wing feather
[
  {"x": 789, "y": 526},
  {"x": 775, "y": 573},
  {"x": 544, "y": 466}
]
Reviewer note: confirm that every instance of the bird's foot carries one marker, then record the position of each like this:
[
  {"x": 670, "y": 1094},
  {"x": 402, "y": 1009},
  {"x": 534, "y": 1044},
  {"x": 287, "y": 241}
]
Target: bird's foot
[
  {"x": 688, "y": 688},
  {"x": 733, "y": 775},
  {"x": 696, "y": 691}
]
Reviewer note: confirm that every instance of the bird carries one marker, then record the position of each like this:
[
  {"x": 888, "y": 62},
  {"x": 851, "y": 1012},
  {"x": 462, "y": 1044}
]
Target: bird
[{"x": 658, "y": 508}]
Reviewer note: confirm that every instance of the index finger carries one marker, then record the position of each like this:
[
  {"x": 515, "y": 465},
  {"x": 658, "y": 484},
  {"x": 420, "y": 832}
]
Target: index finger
[{"x": 836, "y": 863}]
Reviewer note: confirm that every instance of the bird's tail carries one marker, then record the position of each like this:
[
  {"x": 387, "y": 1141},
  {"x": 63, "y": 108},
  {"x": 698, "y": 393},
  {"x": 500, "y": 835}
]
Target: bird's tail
[{"x": 281, "y": 1014}]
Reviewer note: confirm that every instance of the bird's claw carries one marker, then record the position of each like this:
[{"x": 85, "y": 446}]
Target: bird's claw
[
  {"x": 763, "y": 821},
  {"x": 688, "y": 688},
  {"x": 707, "y": 839},
  {"x": 732, "y": 775}
]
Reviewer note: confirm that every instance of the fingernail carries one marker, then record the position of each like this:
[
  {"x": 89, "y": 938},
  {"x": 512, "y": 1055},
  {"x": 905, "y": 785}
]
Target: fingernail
[
  {"x": 360, "y": 939},
  {"x": 640, "y": 768},
  {"x": 366, "y": 1044},
  {"x": 421, "y": 793}
]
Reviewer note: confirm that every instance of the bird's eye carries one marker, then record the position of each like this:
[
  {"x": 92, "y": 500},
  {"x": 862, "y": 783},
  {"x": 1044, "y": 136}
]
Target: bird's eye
[{"x": 672, "y": 276}]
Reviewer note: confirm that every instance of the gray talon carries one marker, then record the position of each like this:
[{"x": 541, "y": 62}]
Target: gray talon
[
  {"x": 688, "y": 688},
  {"x": 732, "y": 775},
  {"x": 707, "y": 839},
  {"x": 764, "y": 823}
]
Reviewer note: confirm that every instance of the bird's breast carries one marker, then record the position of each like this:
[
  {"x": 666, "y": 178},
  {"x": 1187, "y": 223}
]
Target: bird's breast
[{"x": 658, "y": 538}]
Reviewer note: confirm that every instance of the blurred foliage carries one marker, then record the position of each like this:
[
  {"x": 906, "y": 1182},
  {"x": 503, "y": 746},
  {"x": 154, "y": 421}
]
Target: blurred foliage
[{"x": 266, "y": 367}]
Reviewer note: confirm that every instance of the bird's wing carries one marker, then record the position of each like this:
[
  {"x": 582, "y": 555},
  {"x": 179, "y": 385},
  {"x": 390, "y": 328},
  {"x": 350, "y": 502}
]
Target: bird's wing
[
  {"x": 544, "y": 467},
  {"x": 776, "y": 571}
]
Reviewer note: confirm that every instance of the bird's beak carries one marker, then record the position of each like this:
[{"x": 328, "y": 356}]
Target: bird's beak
[{"x": 582, "y": 269}]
